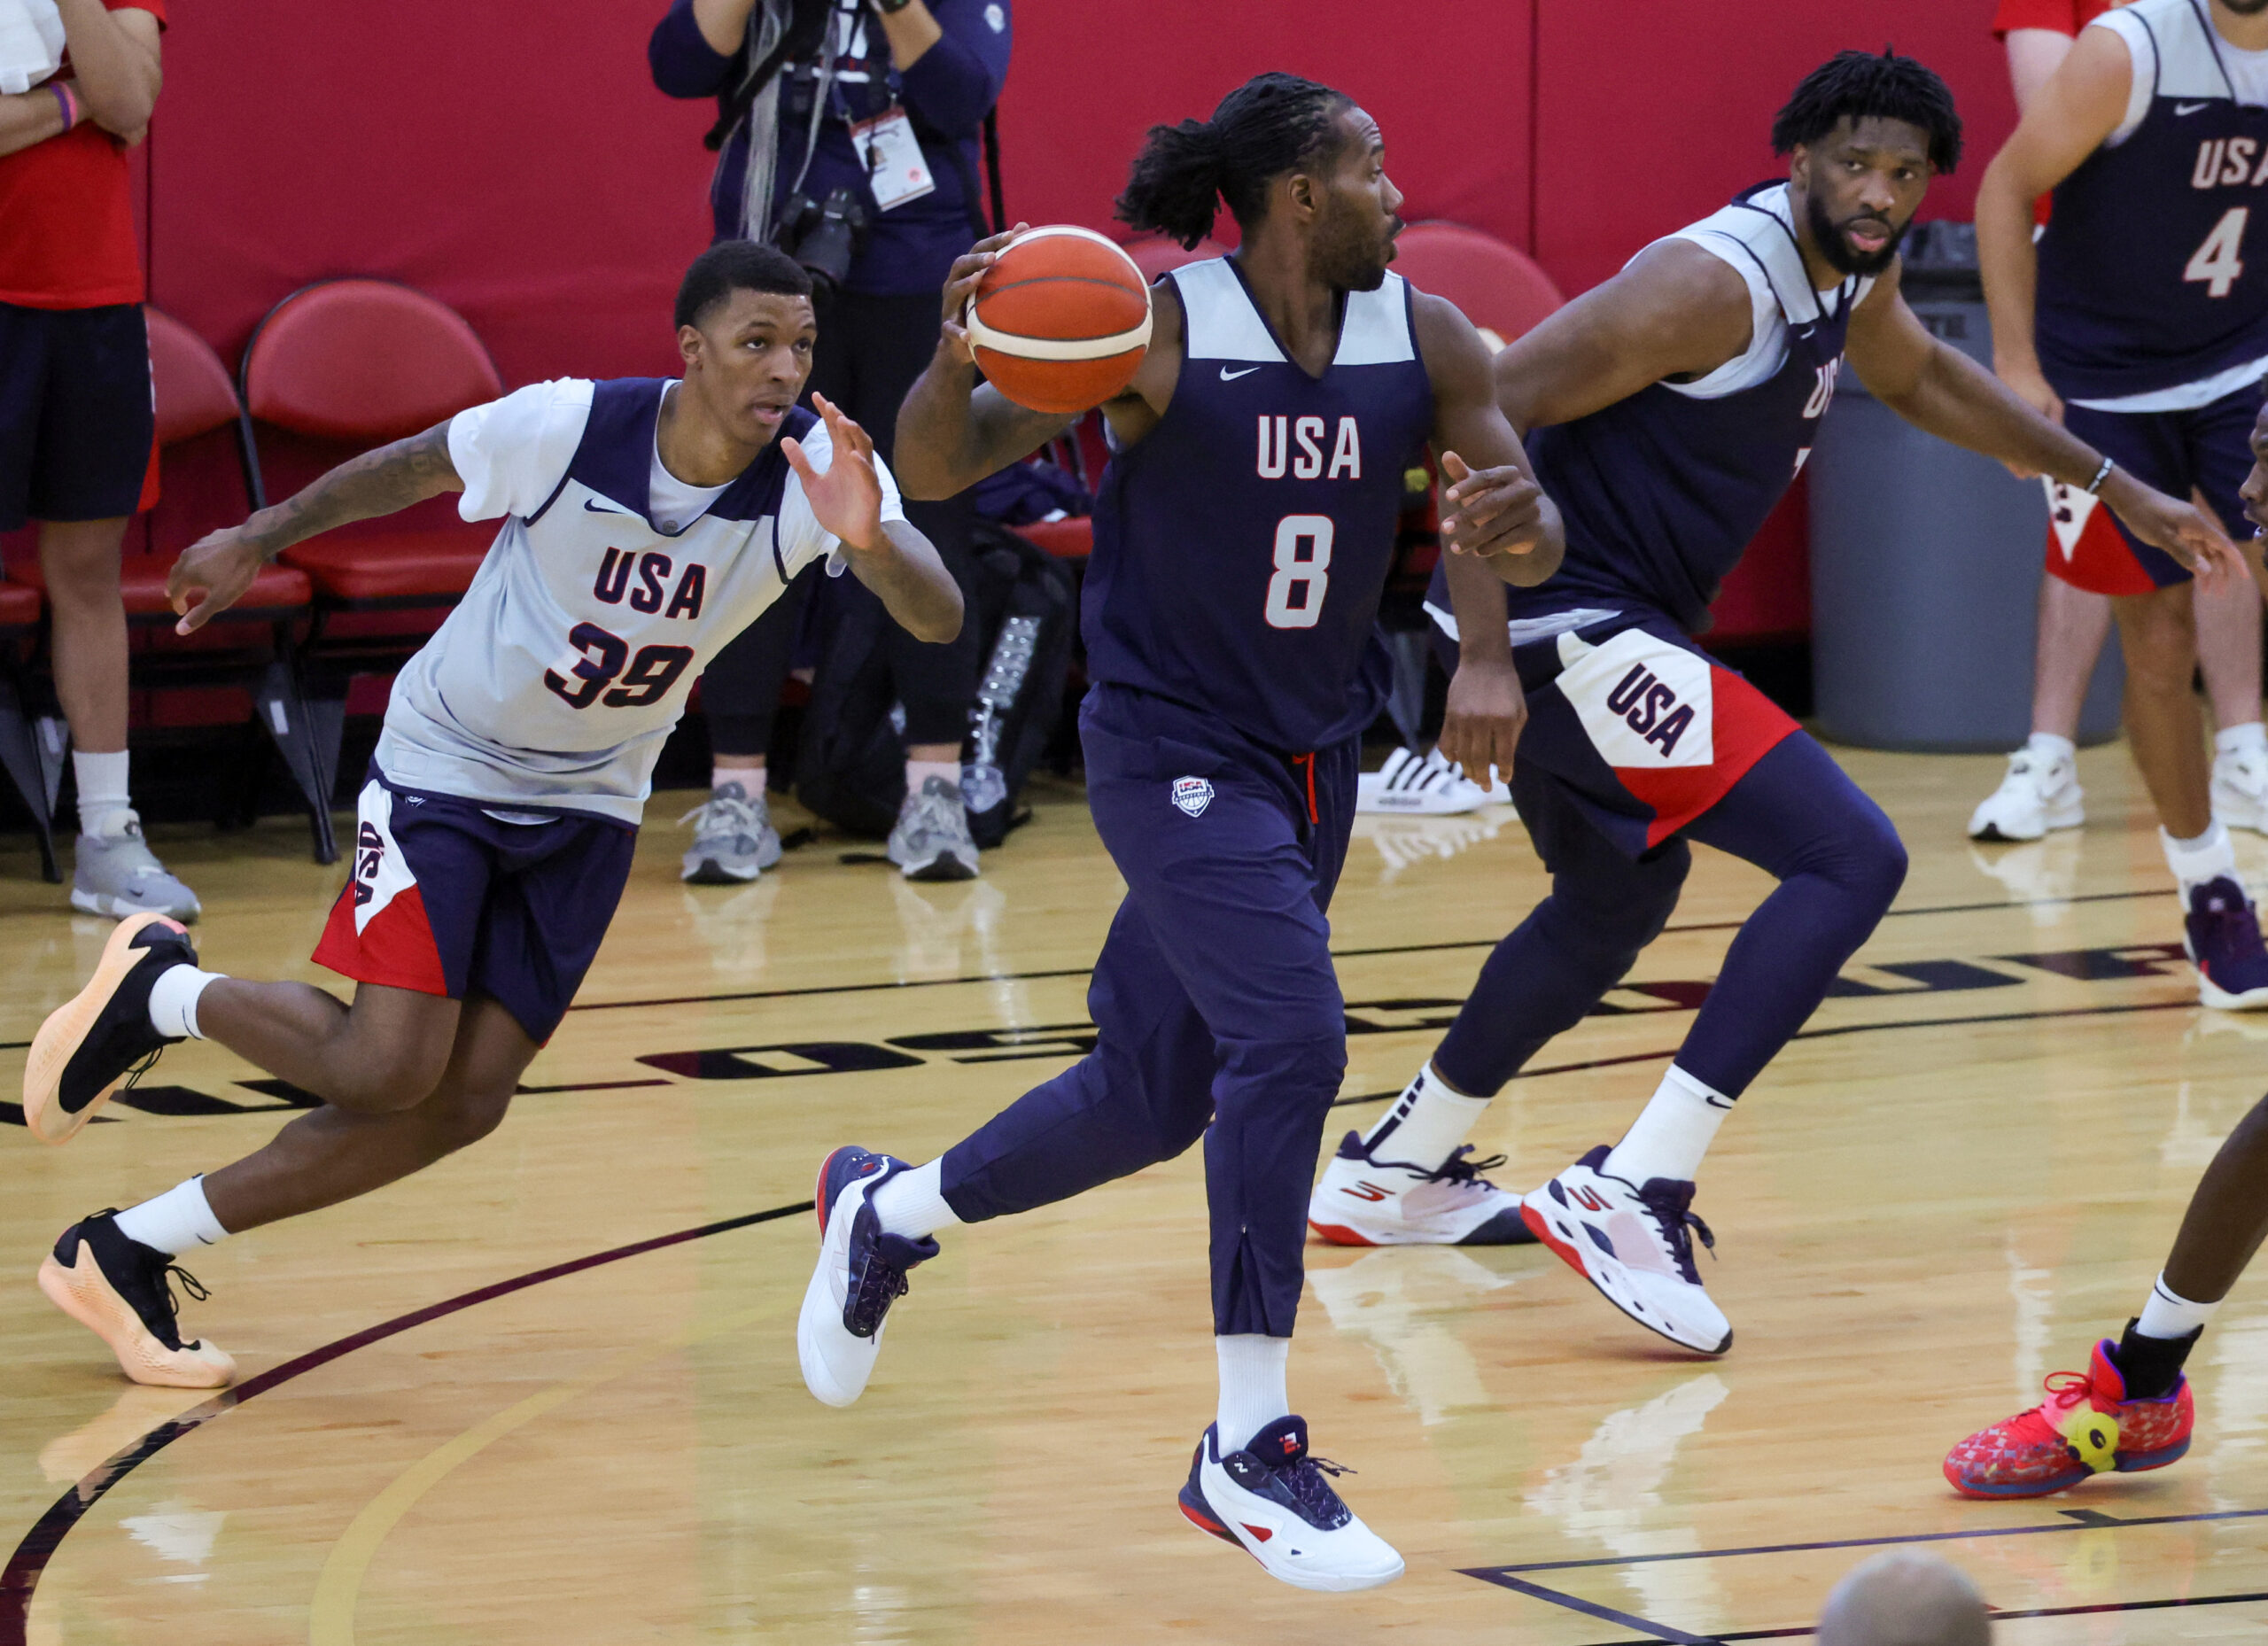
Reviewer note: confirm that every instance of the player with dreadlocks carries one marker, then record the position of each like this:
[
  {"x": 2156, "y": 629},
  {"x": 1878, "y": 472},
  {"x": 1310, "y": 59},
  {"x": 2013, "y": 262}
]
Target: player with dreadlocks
[
  {"x": 1665, "y": 413},
  {"x": 1228, "y": 618}
]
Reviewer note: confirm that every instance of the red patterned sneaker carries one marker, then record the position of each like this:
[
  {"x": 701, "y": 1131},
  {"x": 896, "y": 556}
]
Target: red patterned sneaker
[{"x": 2085, "y": 1425}]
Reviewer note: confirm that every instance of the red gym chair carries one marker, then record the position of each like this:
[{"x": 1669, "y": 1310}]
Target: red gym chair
[
  {"x": 1499, "y": 289},
  {"x": 343, "y": 365},
  {"x": 249, "y": 646}
]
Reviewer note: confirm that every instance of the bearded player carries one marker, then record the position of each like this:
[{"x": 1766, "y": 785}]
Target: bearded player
[
  {"x": 1242, "y": 541},
  {"x": 1666, "y": 412}
]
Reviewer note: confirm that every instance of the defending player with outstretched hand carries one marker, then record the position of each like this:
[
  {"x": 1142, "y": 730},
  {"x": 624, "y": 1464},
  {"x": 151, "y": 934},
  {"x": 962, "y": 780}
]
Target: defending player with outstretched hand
[
  {"x": 1667, "y": 411},
  {"x": 644, "y": 523}
]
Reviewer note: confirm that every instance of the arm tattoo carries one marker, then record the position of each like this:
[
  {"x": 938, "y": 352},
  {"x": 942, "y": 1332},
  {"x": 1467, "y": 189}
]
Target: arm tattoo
[{"x": 376, "y": 483}]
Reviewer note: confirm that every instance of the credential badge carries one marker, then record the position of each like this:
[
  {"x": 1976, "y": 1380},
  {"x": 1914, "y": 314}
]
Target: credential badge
[{"x": 1192, "y": 794}]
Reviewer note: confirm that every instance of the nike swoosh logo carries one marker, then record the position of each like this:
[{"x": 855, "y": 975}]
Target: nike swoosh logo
[
  {"x": 595, "y": 509},
  {"x": 2180, "y": 109},
  {"x": 1230, "y": 377}
]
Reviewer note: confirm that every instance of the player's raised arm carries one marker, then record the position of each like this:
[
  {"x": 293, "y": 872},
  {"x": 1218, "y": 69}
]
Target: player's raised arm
[
  {"x": 1936, "y": 387},
  {"x": 214, "y": 572},
  {"x": 1677, "y": 310},
  {"x": 889, "y": 556},
  {"x": 952, "y": 431}
]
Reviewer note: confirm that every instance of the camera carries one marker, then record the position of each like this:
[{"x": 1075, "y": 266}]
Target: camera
[{"x": 825, "y": 237}]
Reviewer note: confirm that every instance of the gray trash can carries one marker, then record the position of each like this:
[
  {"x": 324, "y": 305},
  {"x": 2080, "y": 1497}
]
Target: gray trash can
[{"x": 1926, "y": 559}]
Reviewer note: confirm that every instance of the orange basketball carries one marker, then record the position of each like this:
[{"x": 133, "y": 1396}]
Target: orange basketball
[{"x": 1060, "y": 321}]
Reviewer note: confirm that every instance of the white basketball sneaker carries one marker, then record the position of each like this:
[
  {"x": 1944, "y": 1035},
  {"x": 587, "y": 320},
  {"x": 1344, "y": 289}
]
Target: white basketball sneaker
[
  {"x": 1365, "y": 1201},
  {"x": 2241, "y": 789},
  {"x": 1272, "y": 1501},
  {"x": 1425, "y": 785},
  {"x": 1630, "y": 1241},
  {"x": 2035, "y": 796},
  {"x": 861, "y": 1272}
]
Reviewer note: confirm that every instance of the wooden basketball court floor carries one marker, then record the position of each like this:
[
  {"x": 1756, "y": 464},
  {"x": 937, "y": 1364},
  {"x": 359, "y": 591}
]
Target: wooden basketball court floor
[{"x": 546, "y": 1392}]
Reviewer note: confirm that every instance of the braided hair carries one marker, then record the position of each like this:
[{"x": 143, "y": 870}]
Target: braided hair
[
  {"x": 1271, "y": 124},
  {"x": 1858, "y": 85}
]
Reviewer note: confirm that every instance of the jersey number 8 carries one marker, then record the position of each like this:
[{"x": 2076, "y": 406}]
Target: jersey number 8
[
  {"x": 650, "y": 673},
  {"x": 1295, "y": 592}
]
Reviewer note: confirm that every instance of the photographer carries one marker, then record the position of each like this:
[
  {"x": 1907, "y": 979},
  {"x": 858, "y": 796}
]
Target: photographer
[{"x": 847, "y": 133}]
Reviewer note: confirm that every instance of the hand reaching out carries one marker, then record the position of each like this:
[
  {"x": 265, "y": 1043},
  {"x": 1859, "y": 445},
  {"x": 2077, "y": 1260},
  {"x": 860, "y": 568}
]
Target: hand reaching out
[{"x": 847, "y": 500}]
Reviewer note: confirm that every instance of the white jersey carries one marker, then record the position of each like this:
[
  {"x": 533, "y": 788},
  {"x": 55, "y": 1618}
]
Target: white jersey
[{"x": 569, "y": 661}]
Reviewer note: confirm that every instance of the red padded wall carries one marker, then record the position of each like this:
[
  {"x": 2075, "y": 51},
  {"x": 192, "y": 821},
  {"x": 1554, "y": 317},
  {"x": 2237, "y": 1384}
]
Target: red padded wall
[{"x": 513, "y": 160}]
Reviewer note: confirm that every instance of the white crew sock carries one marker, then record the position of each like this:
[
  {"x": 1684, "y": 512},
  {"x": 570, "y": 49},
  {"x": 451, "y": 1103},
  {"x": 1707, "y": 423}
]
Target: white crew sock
[
  {"x": 2051, "y": 748},
  {"x": 172, "y": 1000},
  {"x": 2170, "y": 1314},
  {"x": 1425, "y": 1124},
  {"x": 1672, "y": 1132},
  {"x": 913, "y": 1204},
  {"x": 180, "y": 1220},
  {"x": 2193, "y": 862},
  {"x": 101, "y": 787},
  {"x": 920, "y": 772},
  {"x": 1251, "y": 1387},
  {"x": 750, "y": 778},
  {"x": 2251, "y": 738}
]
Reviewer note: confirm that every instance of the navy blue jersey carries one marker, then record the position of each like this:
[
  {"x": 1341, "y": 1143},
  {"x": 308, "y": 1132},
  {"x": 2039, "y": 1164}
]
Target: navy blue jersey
[
  {"x": 2152, "y": 270},
  {"x": 1242, "y": 544},
  {"x": 1662, "y": 491}
]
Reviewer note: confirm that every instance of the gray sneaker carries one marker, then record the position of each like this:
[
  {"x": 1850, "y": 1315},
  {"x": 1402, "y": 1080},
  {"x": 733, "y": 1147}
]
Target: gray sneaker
[
  {"x": 117, "y": 874},
  {"x": 931, "y": 841},
  {"x": 733, "y": 841}
]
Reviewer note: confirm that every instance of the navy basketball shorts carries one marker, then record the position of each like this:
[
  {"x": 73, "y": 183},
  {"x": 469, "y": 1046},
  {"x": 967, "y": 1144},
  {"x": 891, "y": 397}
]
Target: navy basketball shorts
[
  {"x": 446, "y": 899},
  {"x": 77, "y": 416},
  {"x": 1640, "y": 728},
  {"x": 2208, "y": 450}
]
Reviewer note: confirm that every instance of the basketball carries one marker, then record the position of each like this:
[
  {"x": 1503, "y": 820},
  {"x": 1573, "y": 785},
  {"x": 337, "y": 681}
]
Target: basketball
[{"x": 1061, "y": 321}]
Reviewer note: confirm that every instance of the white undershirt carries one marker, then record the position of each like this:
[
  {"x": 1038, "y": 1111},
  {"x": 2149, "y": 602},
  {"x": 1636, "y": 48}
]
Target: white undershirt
[{"x": 670, "y": 503}]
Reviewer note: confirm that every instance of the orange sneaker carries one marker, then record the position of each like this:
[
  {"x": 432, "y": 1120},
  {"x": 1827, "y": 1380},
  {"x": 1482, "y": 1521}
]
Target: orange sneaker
[
  {"x": 101, "y": 1038},
  {"x": 2085, "y": 1426},
  {"x": 121, "y": 1290}
]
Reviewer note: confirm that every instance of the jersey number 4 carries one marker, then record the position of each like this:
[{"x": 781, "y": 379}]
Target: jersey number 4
[
  {"x": 598, "y": 660},
  {"x": 1302, "y": 571},
  {"x": 2216, "y": 262}
]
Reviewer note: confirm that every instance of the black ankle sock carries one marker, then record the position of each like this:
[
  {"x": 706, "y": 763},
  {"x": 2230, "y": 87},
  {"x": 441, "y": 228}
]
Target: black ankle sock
[{"x": 2151, "y": 1366}]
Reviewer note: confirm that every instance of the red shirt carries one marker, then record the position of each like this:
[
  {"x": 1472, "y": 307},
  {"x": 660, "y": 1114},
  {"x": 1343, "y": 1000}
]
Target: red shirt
[
  {"x": 66, "y": 218},
  {"x": 2065, "y": 16}
]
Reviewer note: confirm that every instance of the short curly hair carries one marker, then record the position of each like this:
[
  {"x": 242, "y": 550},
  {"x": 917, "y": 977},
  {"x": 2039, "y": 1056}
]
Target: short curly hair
[{"x": 1858, "y": 85}]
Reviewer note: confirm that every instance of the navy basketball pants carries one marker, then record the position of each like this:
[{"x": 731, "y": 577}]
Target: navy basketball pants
[
  {"x": 1217, "y": 1005},
  {"x": 1637, "y": 743}
]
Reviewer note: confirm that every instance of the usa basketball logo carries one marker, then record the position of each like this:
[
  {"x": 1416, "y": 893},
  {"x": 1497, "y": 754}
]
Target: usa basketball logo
[{"x": 1192, "y": 794}]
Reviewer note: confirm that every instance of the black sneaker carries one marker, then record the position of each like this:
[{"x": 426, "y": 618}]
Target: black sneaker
[
  {"x": 122, "y": 1291},
  {"x": 101, "y": 1037}
]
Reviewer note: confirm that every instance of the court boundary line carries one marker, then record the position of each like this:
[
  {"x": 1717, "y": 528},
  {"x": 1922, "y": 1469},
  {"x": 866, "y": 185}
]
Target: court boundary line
[
  {"x": 1055, "y": 973},
  {"x": 2074, "y": 1520},
  {"x": 19, "y": 1579}
]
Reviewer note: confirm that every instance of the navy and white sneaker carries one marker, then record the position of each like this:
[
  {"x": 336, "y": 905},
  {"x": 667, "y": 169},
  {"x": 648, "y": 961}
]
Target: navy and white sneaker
[
  {"x": 1363, "y": 1200},
  {"x": 861, "y": 1272},
  {"x": 2221, "y": 931},
  {"x": 1630, "y": 1240},
  {"x": 1271, "y": 1500}
]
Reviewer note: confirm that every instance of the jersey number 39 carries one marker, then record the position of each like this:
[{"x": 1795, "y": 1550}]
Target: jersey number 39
[
  {"x": 598, "y": 661},
  {"x": 1302, "y": 571}
]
